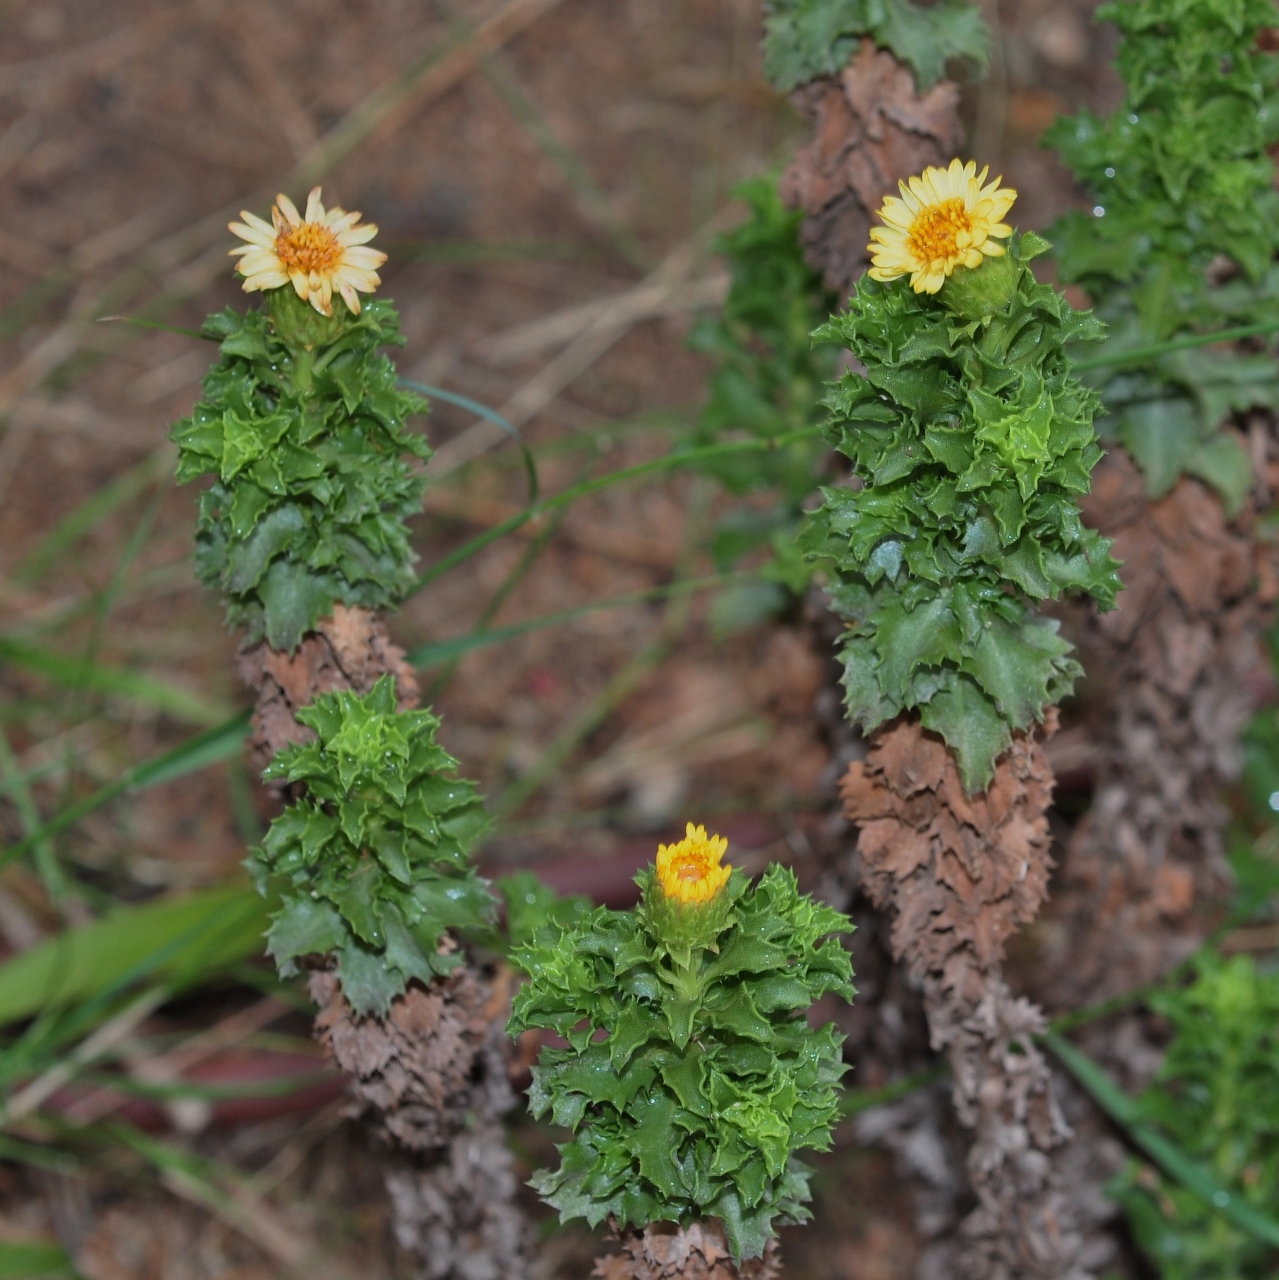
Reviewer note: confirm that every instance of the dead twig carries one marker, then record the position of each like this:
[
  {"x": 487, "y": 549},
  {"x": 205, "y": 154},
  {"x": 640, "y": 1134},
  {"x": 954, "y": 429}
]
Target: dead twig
[
  {"x": 168, "y": 1068},
  {"x": 608, "y": 327},
  {"x": 561, "y": 327},
  {"x": 107, "y": 1037}
]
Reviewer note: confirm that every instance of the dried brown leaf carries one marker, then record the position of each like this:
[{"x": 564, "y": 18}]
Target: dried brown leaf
[
  {"x": 456, "y": 1210},
  {"x": 663, "y": 1251},
  {"x": 350, "y": 650},
  {"x": 956, "y": 892},
  {"x": 871, "y": 131},
  {"x": 438, "y": 1057}
]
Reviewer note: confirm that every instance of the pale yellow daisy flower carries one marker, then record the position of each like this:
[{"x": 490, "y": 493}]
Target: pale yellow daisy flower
[
  {"x": 945, "y": 219},
  {"x": 317, "y": 254}
]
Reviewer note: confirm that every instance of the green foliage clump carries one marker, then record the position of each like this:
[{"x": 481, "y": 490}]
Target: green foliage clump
[
  {"x": 1217, "y": 1095},
  {"x": 971, "y": 439},
  {"x": 691, "y": 1076},
  {"x": 531, "y": 906},
  {"x": 804, "y": 39},
  {"x": 302, "y": 427},
  {"x": 372, "y": 862},
  {"x": 1259, "y": 741},
  {"x": 768, "y": 381},
  {"x": 1184, "y": 230}
]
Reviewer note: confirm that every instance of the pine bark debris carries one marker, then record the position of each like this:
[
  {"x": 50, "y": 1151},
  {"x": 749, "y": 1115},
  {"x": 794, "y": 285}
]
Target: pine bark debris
[
  {"x": 959, "y": 873},
  {"x": 457, "y": 1212},
  {"x": 871, "y": 131},
  {"x": 663, "y": 1251},
  {"x": 1177, "y": 663},
  {"x": 349, "y": 650},
  {"x": 437, "y": 1060},
  {"x": 432, "y": 1079}
]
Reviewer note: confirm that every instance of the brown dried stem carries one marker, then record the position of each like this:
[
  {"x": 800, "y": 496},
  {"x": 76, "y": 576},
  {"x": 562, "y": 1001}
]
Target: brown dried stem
[
  {"x": 871, "y": 131},
  {"x": 663, "y": 1251},
  {"x": 350, "y": 650},
  {"x": 959, "y": 874},
  {"x": 1176, "y": 665}
]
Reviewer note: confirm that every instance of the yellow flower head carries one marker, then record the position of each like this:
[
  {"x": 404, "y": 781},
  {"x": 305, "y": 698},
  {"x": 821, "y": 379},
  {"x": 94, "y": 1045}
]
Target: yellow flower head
[
  {"x": 318, "y": 254},
  {"x": 689, "y": 872},
  {"x": 945, "y": 219}
]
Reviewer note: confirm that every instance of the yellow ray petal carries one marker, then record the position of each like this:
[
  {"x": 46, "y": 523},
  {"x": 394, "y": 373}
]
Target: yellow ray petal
[{"x": 944, "y": 220}]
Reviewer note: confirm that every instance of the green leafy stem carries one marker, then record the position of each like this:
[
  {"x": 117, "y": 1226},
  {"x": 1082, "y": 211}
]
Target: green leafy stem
[
  {"x": 303, "y": 428},
  {"x": 691, "y": 1077},
  {"x": 1183, "y": 232},
  {"x": 972, "y": 439},
  {"x": 372, "y": 864}
]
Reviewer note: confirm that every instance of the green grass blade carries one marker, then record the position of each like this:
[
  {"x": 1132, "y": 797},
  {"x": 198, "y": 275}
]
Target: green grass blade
[
  {"x": 670, "y": 462},
  {"x": 35, "y": 1260},
  {"x": 211, "y": 747},
  {"x": 1165, "y": 1153},
  {"x": 591, "y": 199},
  {"x": 113, "y": 681},
  {"x": 216, "y": 744},
  {"x": 492, "y": 415},
  {"x": 855, "y": 1101},
  {"x": 207, "y": 931},
  {"x": 46, "y": 859},
  {"x": 24, "y": 779},
  {"x": 593, "y": 203},
  {"x": 509, "y": 585},
  {"x": 1137, "y": 354},
  {"x": 231, "y": 1091},
  {"x": 433, "y": 655},
  {"x": 38, "y": 1156}
]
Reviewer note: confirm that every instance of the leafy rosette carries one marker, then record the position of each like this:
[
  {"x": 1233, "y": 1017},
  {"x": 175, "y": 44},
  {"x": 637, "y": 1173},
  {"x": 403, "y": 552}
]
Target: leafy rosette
[
  {"x": 971, "y": 439},
  {"x": 804, "y": 39},
  {"x": 690, "y": 1076},
  {"x": 1184, "y": 229},
  {"x": 372, "y": 862},
  {"x": 302, "y": 427}
]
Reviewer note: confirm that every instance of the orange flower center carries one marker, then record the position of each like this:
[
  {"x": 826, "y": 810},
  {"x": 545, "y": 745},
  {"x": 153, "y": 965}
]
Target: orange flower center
[
  {"x": 307, "y": 249},
  {"x": 693, "y": 866},
  {"x": 934, "y": 232}
]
